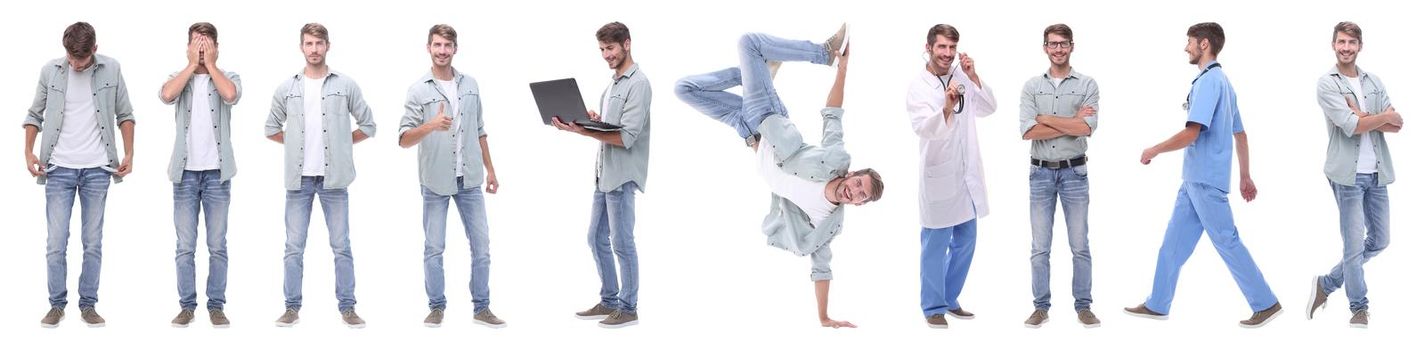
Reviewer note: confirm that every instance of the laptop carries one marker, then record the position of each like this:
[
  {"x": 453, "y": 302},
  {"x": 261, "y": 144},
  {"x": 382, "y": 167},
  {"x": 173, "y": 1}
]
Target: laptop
[{"x": 561, "y": 98}]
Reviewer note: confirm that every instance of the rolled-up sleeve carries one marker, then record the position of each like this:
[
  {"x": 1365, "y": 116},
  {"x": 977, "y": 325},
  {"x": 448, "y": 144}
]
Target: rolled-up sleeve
[
  {"x": 1333, "y": 105},
  {"x": 36, "y": 115},
  {"x": 1028, "y": 110},
  {"x": 635, "y": 113},
  {"x": 278, "y": 115},
  {"x": 359, "y": 110},
  {"x": 821, "y": 264}
]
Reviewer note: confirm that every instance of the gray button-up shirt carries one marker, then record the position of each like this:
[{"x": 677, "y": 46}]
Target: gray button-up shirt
[
  {"x": 1344, "y": 146},
  {"x": 436, "y": 156},
  {"x": 786, "y": 225},
  {"x": 340, "y": 98},
  {"x": 111, "y": 97},
  {"x": 625, "y": 103},
  {"x": 222, "y": 126},
  {"x": 1041, "y": 97}
]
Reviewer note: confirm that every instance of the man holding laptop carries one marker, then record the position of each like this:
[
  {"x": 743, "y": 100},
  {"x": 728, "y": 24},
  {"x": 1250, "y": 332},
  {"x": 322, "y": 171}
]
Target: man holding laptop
[{"x": 622, "y": 168}]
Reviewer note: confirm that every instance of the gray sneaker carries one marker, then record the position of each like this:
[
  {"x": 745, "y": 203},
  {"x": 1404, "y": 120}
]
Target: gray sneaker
[
  {"x": 937, "y": 321},
  {"x": 91, "y": 317},
  {"x": 488, "y": 319},
  {"x": 435, "y": 317},
  {"x": 835, "y": 44},
  {"x": 184, "y": 317},
  {"x": 1142, "y": 311},
  {"x": 1318, "y": 298},
  {"x": 598, "y": 312},
  {"x": 218, "y": 318},
  {"x": 1361, "y": 319},
  {"x": 1260, "y": 318},
  {"x": 288, "y": 318},
  {"x": 52, "y": 317},
  {"x": 1038, "y": 318},
  {"x": 352, "y": 320},
  {"x": 620, "y": 319},
  {"x": 1088, "y": 319},
  {"x": 960, "y": 314}
]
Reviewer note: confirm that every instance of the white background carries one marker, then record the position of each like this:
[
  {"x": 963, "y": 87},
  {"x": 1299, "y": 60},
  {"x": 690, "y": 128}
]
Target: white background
[{"x": 708, "y": 278}]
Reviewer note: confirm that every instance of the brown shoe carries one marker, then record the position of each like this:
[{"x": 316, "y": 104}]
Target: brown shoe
[
  {"x": 434, "y": 318},
  {"x": 1260, "y": 318},
  {"x": 91, "y": 317},
  {"x": 288, "y": 318},
  {"x": 184, "y": 317},
  {"x": 598, "y": 312},
  {"x": 1361, "y": 319},
  {"x": 218, "y": 318},
  {"x": 487, "y": 318},
  {"x": 52, "y": 318},
  {"x": 1318, "y": 297},
  {"x": 620, "y": 319},
  {"x": 937, "y": 321},
  {"x": 352, "y": 320},
  {"x": 836, "y": 44},
  {"x": 1038, "y": 318},
  {"x": 960, "y": 314},
  {"x": 1142, "y": 311},
  {"x": 1088, "y": 319}
]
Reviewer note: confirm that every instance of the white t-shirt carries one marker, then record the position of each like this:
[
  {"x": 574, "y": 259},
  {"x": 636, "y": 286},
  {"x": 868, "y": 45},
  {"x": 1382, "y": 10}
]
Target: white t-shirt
[
  {"x": 452, "y": 109},
  {"x": 1366, "y": 162},
  {"x": 315, "y": 161},
  {"x": 807, "y": 195},
  {"x": 202, "y": 136},
  {"x": 80, "y": 146}
]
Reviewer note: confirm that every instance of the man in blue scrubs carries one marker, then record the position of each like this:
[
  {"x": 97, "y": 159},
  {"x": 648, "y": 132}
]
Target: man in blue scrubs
[{"x": 1213, "y": 124}]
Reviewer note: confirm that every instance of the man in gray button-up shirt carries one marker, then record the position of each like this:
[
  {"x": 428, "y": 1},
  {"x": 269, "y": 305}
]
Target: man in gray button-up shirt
[
  {"x": 1058, "y": 110},
  {"x": 622, "y": 169},
  {"x": 318, "y": 162},
  {"x": 201, "y": 168},
  {"x": 1358, "y": 166},
  {"x": 811, "y": 184},
  {"x": 77, "y": 157},
  {"x": 444, "y": 115}
]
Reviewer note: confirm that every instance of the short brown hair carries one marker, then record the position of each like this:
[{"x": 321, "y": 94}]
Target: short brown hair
[
  {"x": 444, "y": 31},
  {"x": 1348, "y": 28},
  {"x": 614, "y": 32},
  {"x": 1060, "y": 29},
  {"x": 204, "y": 29},
  {"x": 317, "y": 30},
  {"x": 79, "y": 40},
  {"x": 877, "y": 186},
  {"x": 1210, "y": 31},
  {"x": 947, "y": 30}
]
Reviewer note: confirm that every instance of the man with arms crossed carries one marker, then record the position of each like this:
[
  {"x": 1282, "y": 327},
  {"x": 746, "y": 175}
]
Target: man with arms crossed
[
  {"x": 1058, "y": 110},
  {"x": 1358, "y": 166}
]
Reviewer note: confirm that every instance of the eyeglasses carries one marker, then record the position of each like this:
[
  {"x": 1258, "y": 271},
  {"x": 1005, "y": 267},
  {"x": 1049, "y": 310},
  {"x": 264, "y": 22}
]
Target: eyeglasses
[{"x": 1058, "y": 44}]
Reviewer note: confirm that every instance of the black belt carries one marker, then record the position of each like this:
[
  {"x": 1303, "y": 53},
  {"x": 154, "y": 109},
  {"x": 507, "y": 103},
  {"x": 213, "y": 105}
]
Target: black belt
[{"x": 1059, "y": 164}]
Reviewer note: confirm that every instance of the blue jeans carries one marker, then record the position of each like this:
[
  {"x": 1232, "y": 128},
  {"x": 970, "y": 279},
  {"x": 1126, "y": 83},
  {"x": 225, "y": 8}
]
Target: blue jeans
[
  {"x": 1365, "y": 232},
  {"x": 613, "y": 216},
  {"x": 92, "y": 186},
  {"x": 706, "y": 92},
  {"x": 202, "y": 191},
  {"x": 1203, "y": 207},
  {"x": 299, "y": 215},
  {"x": 1071, "y": 187},
  {"x": 470, "y": 203},
  {"x": 945, "y": 255}
]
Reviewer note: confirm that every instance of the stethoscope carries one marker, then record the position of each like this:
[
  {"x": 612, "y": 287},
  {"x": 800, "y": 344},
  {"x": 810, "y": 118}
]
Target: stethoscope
[
  {"x": 1188, "y": 103},
  {"x": 945, "y": 82}
]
